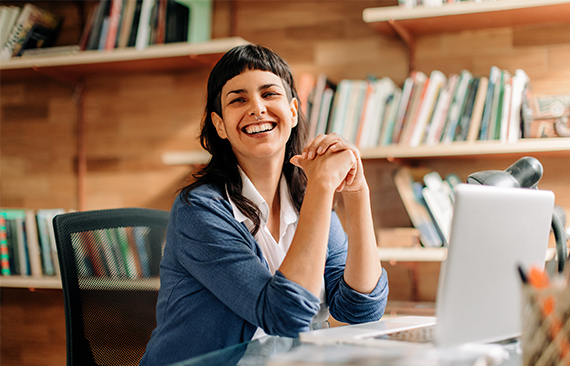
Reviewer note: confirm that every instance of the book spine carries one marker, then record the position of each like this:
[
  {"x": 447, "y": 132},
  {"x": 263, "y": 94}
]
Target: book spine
[{"x": 4, "y": 254}]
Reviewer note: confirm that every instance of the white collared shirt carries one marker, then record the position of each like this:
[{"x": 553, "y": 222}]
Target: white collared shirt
[{"x": 275, "y": 251}]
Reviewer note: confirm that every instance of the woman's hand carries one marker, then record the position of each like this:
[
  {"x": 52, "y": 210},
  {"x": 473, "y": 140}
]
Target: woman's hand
[{"x": 334, "y": 143}]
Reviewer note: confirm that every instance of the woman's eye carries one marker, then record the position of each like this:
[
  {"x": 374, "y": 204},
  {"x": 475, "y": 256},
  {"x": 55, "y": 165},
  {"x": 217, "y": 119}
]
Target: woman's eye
[
  {"x": 236, "y": 100},
  {"x": 270, "y": 93}
]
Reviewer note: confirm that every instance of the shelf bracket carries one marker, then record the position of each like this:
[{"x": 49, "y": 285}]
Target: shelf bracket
[
  {"x": 79, "y": 99},
  {"x": 410, "y": 41}
]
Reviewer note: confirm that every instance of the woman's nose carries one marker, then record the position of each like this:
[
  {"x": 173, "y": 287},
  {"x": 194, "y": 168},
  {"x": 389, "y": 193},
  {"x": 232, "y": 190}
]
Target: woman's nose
[{"x": 257, "y": 108}]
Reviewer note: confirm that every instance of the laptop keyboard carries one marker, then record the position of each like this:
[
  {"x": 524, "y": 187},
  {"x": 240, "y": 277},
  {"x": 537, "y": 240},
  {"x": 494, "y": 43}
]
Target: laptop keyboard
[{"x": 419, "y": 335}]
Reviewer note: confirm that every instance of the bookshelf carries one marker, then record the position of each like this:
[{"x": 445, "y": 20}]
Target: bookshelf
[
  {"x": 410, "y": 23},
  {"x": 74, "y": 67}
]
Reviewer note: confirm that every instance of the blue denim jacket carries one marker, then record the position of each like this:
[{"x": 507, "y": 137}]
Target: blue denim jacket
[{"x": 216, "y": 288}]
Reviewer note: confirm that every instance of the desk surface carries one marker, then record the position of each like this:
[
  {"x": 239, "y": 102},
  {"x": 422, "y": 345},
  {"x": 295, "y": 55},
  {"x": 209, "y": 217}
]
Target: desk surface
[{"x": 279, "y": 351}]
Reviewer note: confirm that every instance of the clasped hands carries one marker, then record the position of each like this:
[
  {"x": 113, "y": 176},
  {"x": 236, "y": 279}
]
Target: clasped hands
[{"x": 332, "y": 159}]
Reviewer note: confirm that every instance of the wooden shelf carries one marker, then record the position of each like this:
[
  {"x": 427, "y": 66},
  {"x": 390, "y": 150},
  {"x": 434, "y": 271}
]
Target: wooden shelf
[
  {"x": 468, "y": 15},
  {"x": 558, "y": 146},
  {"x": 51, "y": 282},
  {"x": 523, "y": 146},
  {"x": 409, "y": 23},
  {"x": 76, "y": 66}
]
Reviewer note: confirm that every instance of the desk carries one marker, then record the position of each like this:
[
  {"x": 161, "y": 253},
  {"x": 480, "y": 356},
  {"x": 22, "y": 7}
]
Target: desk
[{"x": 279, "y": 351}]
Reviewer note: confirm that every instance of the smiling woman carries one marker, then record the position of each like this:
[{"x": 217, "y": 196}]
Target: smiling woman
[{"x": 253, "y": 245}]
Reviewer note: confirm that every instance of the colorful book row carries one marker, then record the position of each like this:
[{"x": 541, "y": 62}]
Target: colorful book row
[
  {"x": 140, "y": 23},
  {"x": 426, "y": 110},
  {"x": 28, "y": 247}
]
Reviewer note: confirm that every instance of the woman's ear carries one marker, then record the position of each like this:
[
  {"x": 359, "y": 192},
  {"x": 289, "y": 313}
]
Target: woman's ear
[
  {"x": 295, "y": 111},
  {"x": 219, "y": 124}
]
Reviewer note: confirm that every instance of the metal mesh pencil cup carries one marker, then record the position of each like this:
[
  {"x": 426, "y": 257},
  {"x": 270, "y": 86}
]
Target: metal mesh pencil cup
[{"x": 546, "y": 326}]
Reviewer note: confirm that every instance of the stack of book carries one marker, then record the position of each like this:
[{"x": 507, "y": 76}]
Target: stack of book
[
  {"x": 426, "y": 110},
  {"x": 28, "y": 247},
  {"x": 26, "y": 28},
  {"x": 429, "y": 202}
]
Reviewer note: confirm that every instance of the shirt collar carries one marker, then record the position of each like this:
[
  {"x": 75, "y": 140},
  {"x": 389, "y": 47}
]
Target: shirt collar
[{"x": 288, "y": 212}]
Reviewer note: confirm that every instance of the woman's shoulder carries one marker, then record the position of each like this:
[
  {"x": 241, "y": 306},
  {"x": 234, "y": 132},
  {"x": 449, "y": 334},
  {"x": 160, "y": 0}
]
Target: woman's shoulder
[{"x": 204, "y": 196}]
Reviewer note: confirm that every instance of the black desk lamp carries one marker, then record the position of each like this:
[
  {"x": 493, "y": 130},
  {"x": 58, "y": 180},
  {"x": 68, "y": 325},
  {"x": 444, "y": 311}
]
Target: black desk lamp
[{"x": 525, "y": 173}]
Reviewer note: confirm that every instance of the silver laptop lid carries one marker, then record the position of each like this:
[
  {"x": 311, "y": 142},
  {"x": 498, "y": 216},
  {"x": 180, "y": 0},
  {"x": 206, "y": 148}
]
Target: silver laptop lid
[{"x": 494, "y": 229}]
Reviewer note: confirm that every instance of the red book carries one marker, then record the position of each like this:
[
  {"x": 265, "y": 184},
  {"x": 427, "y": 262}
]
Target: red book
[{"x": 114, "y": 18}]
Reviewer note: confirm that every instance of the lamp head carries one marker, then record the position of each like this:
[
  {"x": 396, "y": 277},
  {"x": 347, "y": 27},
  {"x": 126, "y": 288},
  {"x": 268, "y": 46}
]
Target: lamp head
[{"x": 524, "y": 173}]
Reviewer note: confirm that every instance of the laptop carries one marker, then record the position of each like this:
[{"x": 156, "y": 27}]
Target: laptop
[{"x": 493, "y": 230}]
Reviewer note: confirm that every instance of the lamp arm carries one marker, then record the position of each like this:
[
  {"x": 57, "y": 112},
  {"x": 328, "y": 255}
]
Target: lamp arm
[{"x": 560, "y": 237}]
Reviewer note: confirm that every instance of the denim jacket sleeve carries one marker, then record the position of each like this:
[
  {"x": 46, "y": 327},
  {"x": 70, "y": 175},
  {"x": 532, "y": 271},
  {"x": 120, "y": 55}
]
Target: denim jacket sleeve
[
  {"x": 223, "y": 256},
  {"x": 346, "y": 304}
]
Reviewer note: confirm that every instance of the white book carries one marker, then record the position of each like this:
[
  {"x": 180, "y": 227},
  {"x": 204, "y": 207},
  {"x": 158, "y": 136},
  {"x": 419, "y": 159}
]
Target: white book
[
  {"x": 401, "y": 115},
  {"x": 353, "y": 109},
  {"x": 143, "y": 32},
  {"x": 436, "y": 81},
  {"x": 384, "y": 89},
  {"x": 520, "y": 79}
]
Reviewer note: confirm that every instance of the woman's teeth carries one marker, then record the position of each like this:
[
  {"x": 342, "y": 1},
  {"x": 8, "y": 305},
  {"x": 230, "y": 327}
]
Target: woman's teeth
[{"x": 258, "y": 128}]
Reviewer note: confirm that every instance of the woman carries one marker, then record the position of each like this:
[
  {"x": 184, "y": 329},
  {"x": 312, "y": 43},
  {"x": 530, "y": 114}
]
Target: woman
[{"x": 253, "y": 246}]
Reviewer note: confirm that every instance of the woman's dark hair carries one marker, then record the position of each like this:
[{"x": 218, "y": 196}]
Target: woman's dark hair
[{"x": 222, "y": 169}]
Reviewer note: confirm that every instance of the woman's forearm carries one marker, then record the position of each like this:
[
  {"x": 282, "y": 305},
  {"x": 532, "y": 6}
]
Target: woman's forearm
[{"x": 363, "y": 268}]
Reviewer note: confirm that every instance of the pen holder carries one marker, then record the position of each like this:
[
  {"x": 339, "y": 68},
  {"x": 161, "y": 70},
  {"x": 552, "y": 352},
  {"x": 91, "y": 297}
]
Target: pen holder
[{"x": 546, "y": 326}]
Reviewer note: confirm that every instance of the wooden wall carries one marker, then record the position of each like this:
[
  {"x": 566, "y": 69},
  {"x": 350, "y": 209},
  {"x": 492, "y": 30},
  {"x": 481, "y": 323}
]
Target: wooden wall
[{"x": 132, "y": 119}]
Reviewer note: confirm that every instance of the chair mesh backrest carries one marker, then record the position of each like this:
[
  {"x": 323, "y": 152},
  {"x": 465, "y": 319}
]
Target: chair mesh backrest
[{"x": 109, "y": 261}]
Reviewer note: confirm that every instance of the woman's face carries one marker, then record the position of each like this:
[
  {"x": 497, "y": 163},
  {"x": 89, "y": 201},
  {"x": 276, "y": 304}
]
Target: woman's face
[{"x": 257, "y": 116}]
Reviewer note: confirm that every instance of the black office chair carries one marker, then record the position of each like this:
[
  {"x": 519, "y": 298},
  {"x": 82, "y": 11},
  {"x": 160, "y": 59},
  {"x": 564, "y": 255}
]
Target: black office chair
[{"x": 109, "y": 261}]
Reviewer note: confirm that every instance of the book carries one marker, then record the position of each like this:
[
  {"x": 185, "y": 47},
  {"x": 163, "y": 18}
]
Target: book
[
  {"x": 99, "y": 15},
  {"x": 477, "y": 114},
  {"x": 8, "y": 17},
  {"x": 388, "y": 126},
  {"x": 324, "y": 113},
  {"x": 494, "y": 76},
  {"x": 462, "y": 128},
  {"x": 143, "y": 32},
  {"x": 519, "y": 81},
  {"x": 177, "y": 22},
  {"x": 418, "y": 212},
  {"x": 34, "y": 28},
  {"x": 435, "y": 129},
  {"x": 437, "y": 195},
  {"x": 456, "y": 107},
  {"x": 402, "y": 108},
  {"x": 366, "y": 112},
  {"x": 113, "y": 26},
  {"x": 200, "y": 19},
  {"x": 435, "y": 82},
  {"x": 383, "y": 89},
  {"x": 4, "y": 253},
  {"x": 492, "y": 133},
  {"x": 339, "y": 107},
  {"x": 354, "y": 106},
  {"x": 33, "y": 243},
  {"x": 418, "y": 89},
  {"x": 505, "y": 108}
]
